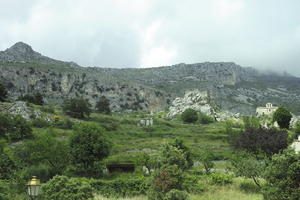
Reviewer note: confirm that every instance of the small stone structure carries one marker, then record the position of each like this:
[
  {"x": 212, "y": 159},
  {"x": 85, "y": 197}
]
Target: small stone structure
[
  {"x": 268, "y": 110},
  {"x": 296, "y": 145},
  {"x": 146, "y": 122}
]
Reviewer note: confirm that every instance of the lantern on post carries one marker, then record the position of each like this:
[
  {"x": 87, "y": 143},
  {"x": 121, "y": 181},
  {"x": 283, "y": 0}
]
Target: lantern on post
[{"x": 33, "y": 187}]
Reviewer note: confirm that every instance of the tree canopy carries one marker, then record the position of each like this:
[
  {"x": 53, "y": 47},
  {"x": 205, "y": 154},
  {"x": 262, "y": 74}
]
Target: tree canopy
[
  {"x": 78, "y": 108},
  {"x": 268, "y": 141},
  {"x": 88, "y": 146},
  {"x": 3, "y": 93},
  {"x": 102, "y": 105},
  {"x": 283, "y": 117}
]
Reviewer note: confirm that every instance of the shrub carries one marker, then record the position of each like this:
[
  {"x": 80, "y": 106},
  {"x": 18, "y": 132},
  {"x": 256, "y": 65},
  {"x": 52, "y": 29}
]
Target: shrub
[
  {"x": 14, "y": 127},
  {"x": 191, "y": 184},
  {"x": 45, "y": 154},
  {"x": 189, "y": 116},
  {"x": 283, "y": 177},
  {"x": 220, "y": 179},
  {"x": 62, "y": 187},
  {"x": 48, "y": 109},
  {"x": 283, "y": 117},
  {"x": 3, "y": 93},
  {"x": 7, "y": 166},
  {"x": 176, "y": 195},
  {"x": 78, "y": 108},
  {"x": 40, "y": 123},
  {"x": 249, "y": 187},
  {"x": 205, "y": 119},
  {"x": 269, "y": 141},
  {"x": 88, "y": 147},
  {"x": 164, "y": 180},
  {"x": 250, "y": 122},
  {"x": 64, "y": 123},
  {"x": 120, "y": 187}
]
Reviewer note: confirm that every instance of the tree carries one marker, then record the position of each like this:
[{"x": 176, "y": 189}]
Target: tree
[
  {"x": 283, "y": 177},
  {"x": 14, "y": 127},
  {"x": 268, "y": 141},
  {"x": 88, "y": 146},
  {"x": 189, "y": 116},
  {"x": 36, "y": 98},
  {"x": 179, "y": 144},
  {"x": 7, "y": 165},
  {"x": 102, "y": 105},
  {"x": 3, "y": 93},
  {"x": 206, "y": 157},
  {"x": 247, "y": 165},
  {"x": 283, "y": 117},
  {"x": 78, "y": 108},
  {"x": 46, "y": 151}
]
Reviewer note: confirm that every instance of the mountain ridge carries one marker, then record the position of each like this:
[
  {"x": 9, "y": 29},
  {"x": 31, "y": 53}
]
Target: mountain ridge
[{"x": 230, "y": 86}]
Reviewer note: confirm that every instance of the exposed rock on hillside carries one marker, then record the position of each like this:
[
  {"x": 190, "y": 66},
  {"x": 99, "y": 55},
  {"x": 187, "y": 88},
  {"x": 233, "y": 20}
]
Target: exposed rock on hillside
[
  {"x": 20, "y": 108},
  {"x": 196, "y": 100}
]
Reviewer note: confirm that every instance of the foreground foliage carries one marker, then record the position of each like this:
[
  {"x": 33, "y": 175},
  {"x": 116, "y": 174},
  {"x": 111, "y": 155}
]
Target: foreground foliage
[
  {"x": 283, "y": 177},
  {"x": 62, "y": 187}
]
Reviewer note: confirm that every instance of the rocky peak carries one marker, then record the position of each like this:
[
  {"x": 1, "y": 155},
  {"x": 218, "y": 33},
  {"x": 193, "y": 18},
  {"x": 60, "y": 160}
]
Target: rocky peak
[{"x": 20, "y": 48}]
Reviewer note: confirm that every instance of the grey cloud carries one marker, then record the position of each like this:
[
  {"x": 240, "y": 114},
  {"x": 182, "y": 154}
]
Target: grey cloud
[{"x": 264, "y": 34}]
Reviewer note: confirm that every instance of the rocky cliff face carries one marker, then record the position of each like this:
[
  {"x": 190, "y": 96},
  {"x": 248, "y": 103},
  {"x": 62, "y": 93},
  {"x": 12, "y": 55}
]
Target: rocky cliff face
[{"x": 230, "y": 86}]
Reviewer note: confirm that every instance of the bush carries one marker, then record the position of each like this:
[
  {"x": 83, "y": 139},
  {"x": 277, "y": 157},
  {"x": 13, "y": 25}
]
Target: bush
[
  {"x": 48, "y": 109},
  {"x": 249, "y": 187},
  {"x": 120, "y": 187},
  {"x": 164, "y": 180},
  {"x": 78, "y": 108},
  {"x": 283, "y": 117},
  {"x": 176, "y": 195},
  {"x": 14, "y": 127},
  {"x": 283, "y": 177},
  {"x": 220, "y": 179},
  {"x": 191, "y": 184},
  {"x": 205, "y": 119},
  {"x": 250, "y": 122},
  {"x": 7, "y": 166},
  {"x": 64, "y": 123},
  {"x": 62, "y": 187},
  {"x": 40, "y": 123},
  {"x": 189, "y": 116}
]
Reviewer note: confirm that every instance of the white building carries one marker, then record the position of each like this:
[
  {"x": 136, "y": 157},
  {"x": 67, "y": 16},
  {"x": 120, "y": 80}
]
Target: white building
[
  {"x": 296, "y": 145},
  {"x": 268, "y": 110}
]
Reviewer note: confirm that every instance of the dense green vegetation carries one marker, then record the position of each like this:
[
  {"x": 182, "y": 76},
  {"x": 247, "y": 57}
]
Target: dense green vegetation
[
  {"x": 283, "y": 117},
  {"x": 181, "y": 160}
]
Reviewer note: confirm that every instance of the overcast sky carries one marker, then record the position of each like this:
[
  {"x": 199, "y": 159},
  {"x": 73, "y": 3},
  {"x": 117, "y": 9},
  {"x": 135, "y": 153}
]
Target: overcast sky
[{"x": 148, "y": 33}]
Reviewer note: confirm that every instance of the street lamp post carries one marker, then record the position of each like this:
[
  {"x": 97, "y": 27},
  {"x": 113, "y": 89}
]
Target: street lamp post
[{"x": 33, "y": 187}]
